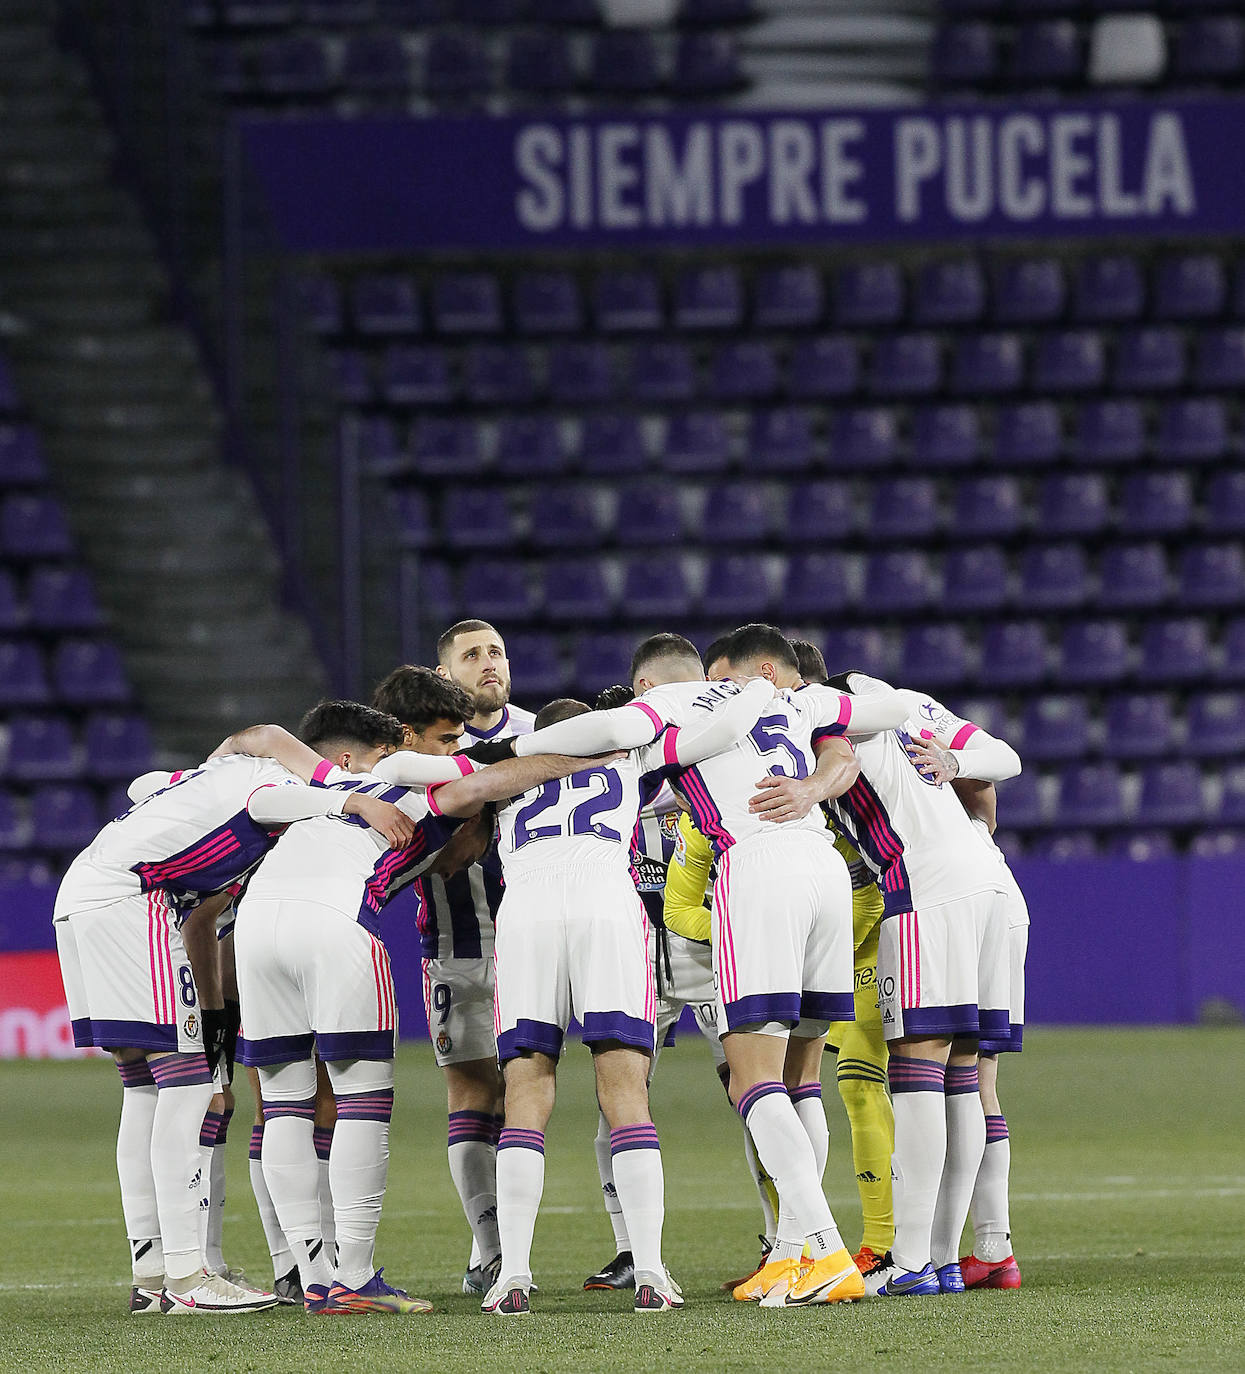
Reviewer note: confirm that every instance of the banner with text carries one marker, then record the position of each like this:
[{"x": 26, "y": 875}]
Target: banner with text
[{"x": 618, "y": 181}]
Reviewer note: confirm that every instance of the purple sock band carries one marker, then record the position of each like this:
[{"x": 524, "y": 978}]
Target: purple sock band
[
  {"x": 304, "y": 1110},
  {"x": 180, "y": 1071},
  {"x": 479, "y": 1127},
  {"x": 209, "y": 1132},
  {"x": 755, "y": 1093},
  {"x": 961, "y": 1078},
  {"x": 499, "y": 1124},
  {"x": 322, "y": 1136},
  {"x": 136, "y": 1074},
  {"x": 916, "y": 1075},
  {"x": 222, "y": 1133},
  {"x": 639, "y": 1137},
  {"x": 806, "y": 1091},
  {"x": 515, "y": 1138},
  {"x": 996, "y": 1129},
  {"x": 376, "y": 1106},
  {"x": 257, "y": 1142}
]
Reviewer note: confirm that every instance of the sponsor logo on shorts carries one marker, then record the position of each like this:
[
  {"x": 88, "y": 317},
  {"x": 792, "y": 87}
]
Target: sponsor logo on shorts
[
  {"x": 444, "y": 1043},
  {"x": 888, "y": 1018},
  {"x": 191, "y": 1025},
  {"x": 886, "y": 987}
]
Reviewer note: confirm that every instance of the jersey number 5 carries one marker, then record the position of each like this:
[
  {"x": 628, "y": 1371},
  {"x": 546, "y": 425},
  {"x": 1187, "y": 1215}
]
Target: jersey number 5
[{"x": 768, "y": 736}]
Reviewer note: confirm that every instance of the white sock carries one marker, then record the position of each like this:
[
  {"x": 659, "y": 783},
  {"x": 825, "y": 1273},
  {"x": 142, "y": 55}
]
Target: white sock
[
  {"x": 806, "y": 1099},
  {"x": 138, "y": 1186},
  {"x": 766, "y": 1191},
  {"x": 966, "y": 1143},
  {"x": 291, "y": 1169},
  {"x": 641, "y": 1185},
  {"x": 520, "y": 1184},
  {"x": 358, "y": 1172},
  {"x": 274, "y": 1236},
  {"x": 212, "y": 1138},
  {"x": 990, "y": 1208},
  {"x": 918, "y": 1093},
  {"x": 322, "y": 1138},
  {"x": 784, "y": 1148},
  {"x": 609, "y": 1191},
  {"x": 184, "y": 1091},
  {"x": 473, "y": 1167}
]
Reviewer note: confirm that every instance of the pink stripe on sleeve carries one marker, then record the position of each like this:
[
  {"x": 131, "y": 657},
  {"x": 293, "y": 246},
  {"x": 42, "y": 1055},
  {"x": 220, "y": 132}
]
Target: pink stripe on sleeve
[
  {"x": 323, "y": 769},
  {"x": 963, "y": 735},
  {"x": 465, "y": 765},
  {"x": 658, "y": 724},
  {"x": 173, "y": 777},
  {"x": 845, "y": 712},
  {"x": 670, "y": 745},
  {"x": 431, "y": 797}
]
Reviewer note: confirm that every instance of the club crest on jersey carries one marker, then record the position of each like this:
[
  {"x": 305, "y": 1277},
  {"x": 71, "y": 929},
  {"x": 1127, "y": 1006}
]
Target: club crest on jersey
[
  {"x": 191, "y": 1025},
  {"x": 444, "y": 1043},
  {"x": 670, "y": 826}
]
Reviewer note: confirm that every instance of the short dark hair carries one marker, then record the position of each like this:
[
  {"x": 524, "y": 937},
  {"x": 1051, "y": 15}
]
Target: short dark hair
[
  {"x": 419, "y": 697},
  {"x": 463, "y": 627},
  {"x": 348, "y": 722},
  {"x": 610, "y": 698},
  {"x": 662, "y": 646},
  {"x": 561, "y": 709},
  {"x": 761, "y": 641},
  {"x": 809, "y": 657},
  {"x": 716, "y": 650}
]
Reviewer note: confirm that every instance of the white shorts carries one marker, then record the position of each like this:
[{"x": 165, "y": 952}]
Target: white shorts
[
  {"x": 690, "y": 984},
  {"x": 943, "y": 971},
  {"x": 311, "y": 980},
  {"x": 127, "y": 979},
  {"x": 782, "y": 933},
  {"x": 572, "y": 941},
  {"x": 1017, "y": 948},
  {"x": 458, "y": 1003}
]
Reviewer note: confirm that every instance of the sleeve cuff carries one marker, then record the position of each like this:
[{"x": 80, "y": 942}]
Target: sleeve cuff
[
  {"x": 658, "y": 724},
  {"x": 963, "y": 735},
  {"x": 323, "y": 769}
]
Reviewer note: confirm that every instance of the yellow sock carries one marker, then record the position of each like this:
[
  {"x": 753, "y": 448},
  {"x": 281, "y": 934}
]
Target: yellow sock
[{"x": 862, "y": 1086}]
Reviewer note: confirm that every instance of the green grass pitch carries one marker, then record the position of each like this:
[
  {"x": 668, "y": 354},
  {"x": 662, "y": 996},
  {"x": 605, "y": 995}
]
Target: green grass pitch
[{"x": 1128, "y": 1215}]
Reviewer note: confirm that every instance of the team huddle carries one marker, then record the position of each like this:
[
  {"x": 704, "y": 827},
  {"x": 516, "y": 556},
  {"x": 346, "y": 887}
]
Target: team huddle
[{"x": 802, "y": 860}]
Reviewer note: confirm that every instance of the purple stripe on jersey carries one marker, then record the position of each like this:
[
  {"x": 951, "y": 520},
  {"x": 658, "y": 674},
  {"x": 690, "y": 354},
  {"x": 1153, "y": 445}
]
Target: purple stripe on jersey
[
  {"x": 180, "y": 1070},
  {"x": 996, "y": 1129},
  {"x": 761, "y": 1007},
  {"x": 540, "y": 1037},
  {"x": 303, "y": 1110},
  {"x": 961, "y": 1078},
  {"x": 322, "y": 1139},
  {"x": 827, "y": 1006},
  {"x": 373, "y": 1106},
  {"x": 616, "y": 1025},
  {"x": 754, "y": 1094},
  {"x": 640, "y": 1137},
  {"x": 136, "y": 1074},
  {"x": 371, "y": 1044},
  {"x": 211, "y": 862},
  {"x": 469, "y": 1127},
  {"x": 257, "y": 1142},
  {"x": 878, "y": 840},
  {"x": 941, "y": 1023},
  {"x": 514, "y": 1138},
  {"x": 704, "y": 811},
  {"x": 210, "y": 1130},
  {"x": 275, "y": 1049},
  {"x": 398, "y": 867},
  {"x": 915, "y": 1075},
  {"x": 805, "y": 1092},
  {"x": 81, "y": 1027}
]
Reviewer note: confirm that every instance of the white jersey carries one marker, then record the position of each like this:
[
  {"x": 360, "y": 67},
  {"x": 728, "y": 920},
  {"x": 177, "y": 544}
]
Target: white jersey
[
  {"x": 190, "y": 836},
  {"x": 1017, "y": 907},
  {"x": 913, "y": 834}
]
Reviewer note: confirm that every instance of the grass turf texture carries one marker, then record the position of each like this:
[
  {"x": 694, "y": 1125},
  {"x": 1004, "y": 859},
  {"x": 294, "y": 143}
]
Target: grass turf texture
[{"x": 1128, "y": 1203}]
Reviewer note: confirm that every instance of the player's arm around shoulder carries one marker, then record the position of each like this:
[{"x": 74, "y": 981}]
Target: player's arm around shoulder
[
  {"x": 274, "y": 742},
  {"x": 507, "y": 779}
]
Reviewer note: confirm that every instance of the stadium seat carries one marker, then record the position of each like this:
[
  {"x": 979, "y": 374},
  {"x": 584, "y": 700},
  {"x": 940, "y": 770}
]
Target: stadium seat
[
  {"x": 1091, "y": 794},
  {"x": 1021, "y": 800},
  {"x": 945, "y": 436},
  {"x": 1231, "y": 667},
  {"x": 739, "y": 513},
  {"x": 295, "y": 65},
  {"x": 547, "y": 302},
  {"x": 987, "y": 365},
  {"x": 1210, "y": 47},
  {"x": 42, "y": 749},
  {"x": 708, "y": 298},
  {"x": 530, "y": 446},
  {"x": 949, "y": 292},
  {"x": 258, "y": 13},
  {"x": 1110, "y": 432},
  {"x": 15, "y": 828},
  {"x": 1133, "y": 576},
  {"x": 898, "y": 582},
  {"x": 87, "y": 672},
  {"x": 1225, "y": 503},
  {"x": 1054, "y": 577},
  {"x": 62, "y": 598},
  {"x": 780, "y": 440},
  {"x": 64, "y": 816},
  {"x": 1149, "y": 359},
  {"x": 987, "y": 507},
  {"x": 1055, "y": 728},
  {"x": 319, "y": 304},
  {"x": 414, "y": 375},
  {"x": 1232, "y": 804},
  {"x": 738, "y": 586},
  {"x": 655, "y": 587},
  {"x": 348, "y": 376},
  {"x": 13, "y": 612},
  {"x": 964, "y": 54},
  {"x": 697, "y": 442},
  {"x": 1139, "y": 725},
  {"x": 466, "y": 303},
  {"x": 1076, "y": 503},
  {"x": 861, "y": 650},
  {"x": 21, "y": 458},
  {"x": 385, "y": 305},
  {"x": 745, "y": 370},
  {"x": 1156, "y": 503},
  {"x": 1213, "y": 575},
  {"x": 567, "y": 518},
  {"x": 456, "y": 66},
  {"x": 23, "y": 680},
  {"x": 706, "y": 64},
  {"x": 1064, "y": 846},
  {"x": 1141, "y": 846},
  {"x": 577, "y": 591},
  {"x": 868, "y": 294},
  {"x": 904, "y": 509},
  {"x": 906, "y": 365},
  {"x": 1171, "y": 794},
  {"x": 1217, "y": 844},
  {"x": 497, "y": 590},
  {"x": 975, "y": 578},
  {"x": 1175, "y": 650},
  {"x": 1046, "y": 52},
  {"x": 33, "y": 526},
  {"x": 475, "y": 517},
  {"x": 498, "y": 374},
  {"x": 625, "y": 301},
  {"x": 375, "y": 63},
  {"x": 1069, "y": 361},
  {"x": 1220, "y": 362},
  {"x": 935, "y": 656},
  {"x": 415, "y": 524},
  {"x": 581, "y": 372},
  {"x": 650, "y": 513},
  {"x": 828, "y": 366},
  {"x": 1095, "y": 651},
  {"x": 624, "y": 62},
  {"x": 1029, "y": 291},
  {"x": 447, "y": 448},
  {"x": 1216, "y": 722},
  {"x": 540, "y": 64},
  {"x": 662, "y": 370},
  {"x": 1030, "y": 433},
  {"x": 790, "y": 297},
  {"x": 1108, "y": 289},
  {"x": 612, "y": 445},
  {"x": 819, "y": 512},
  {"x": 1193, "y": 429},
  {"x": 602, "y": 660},
  {"x": 545, "y": 672},
  {"x": 376, "y": 441},
  {"x": 863, "y": 438},
  {"x": 818, "y": 584},
  {"x": 1190, "y": 286}
]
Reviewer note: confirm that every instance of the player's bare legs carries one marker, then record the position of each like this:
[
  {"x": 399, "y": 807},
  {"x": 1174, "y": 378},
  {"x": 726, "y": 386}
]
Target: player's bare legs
[
  {"x": 966, "y": 1143},
  {"x": 530, "y": 1090},
  {"x": 476, "y": 1093},
  {"x": 992, "y": 1262},
  {"x": 138, "y": 1184}
]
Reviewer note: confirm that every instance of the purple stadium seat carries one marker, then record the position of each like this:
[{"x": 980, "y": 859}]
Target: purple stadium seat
[
  {"x": 861, "y": 650},
  {"x": 864, "y": 437},
  {"x": 1091, "y": 794},
  {"x": 9, "y": 401},
  {"x": 655, "y": 585},
  {"x": 950, "y": 292},
  {"x": 868, "y": 294},
  {"x": 1133, "y": 576},
  {"x": 64, "y": 816},
  {"x": 385, "y": 305},
  {"x": 1141, "y": 846},
  {"x": 416, "y": 375},
  {"x": 1076, "y": 503},
  {"x": 1064, "y": 846},
  {"x": 1156, "y": 503},
  {"x": 576, "y": 590},
  {"x": 975, "y": 579},
  {"x": 581, "y": 372},
  {"x": 1232, "y": 807},
  {"x": 15, "y": 829},
  {"x": 818, "y": 512},
  {"x": 456, "y": 65},
  {"x": 1190, "y": 286},
  {"x": 987, "y": 364},
  {"x": 737, "y": 586},
  {"x": 650, "y": 513},
  {"x": 1029, "y": 291},
  {"x": 477, "y": 516},
  {"x": 708, "y": 298},
  {"x": 789, "y": 297},
  {"x": 697, "y": 441},
  {"x": 466, "y": 303},
  {"x": 1109, "y": 289},
  {"x": 21, "y": 459},
  {"x": 1216, "y": 725},
  {"x": 898, "y": 581},
  {"x": 1055, "y": 727},
  {"x": 1176, "y": 650},
  {"x": 377, "y": 442},
  {"x": 1046, "y": 52},
  {"x": 493, "y": 11},
  {"x": 627, "y": 301},
  {"x": 540, "y": 663},
  {"x": 258, "y": 13},
  {"x": 530, "y": 446},
  {"x": 945, "y": 436},
  {"x": 1021, "y": 802},
  {"x": 296, "y": 65},
  {"x": 1094, "y": 651},
  {"x": 745, "y": 370},
  {"x": 497, "y": 589},
  {"x": 936, "y": 656},
  {"x": 612, "y": 445},
  {"x": 348, "y": 376},
  {"x": 1220, "y": 364},
  {"x": 1193, "y": 429},
  {"x": 1028, "y": 433},
  {"x": 716, "y": 12},
  {"x": 903, "y": 509},
  {"x": 987, "y": 506},
  {"x": 566, "y": 518},
  {"x": 42, "y": 749},
  {"x": 818, "y": 584},
  {"x": 1150, "y": 359},
  {"x": 437, "y": 592},
  {"x": 415, "y": 527},
  {"x": 827, "y": 366},
  {"x": 1069, "y": 360},
  {"x": 498, "y": 374},
  {"x": 625, "y": 61},
  {"x": 964, "y": 54},
  {"x": 33, "y": 526},
  {"x": 1217, "y": 844},
  {"x": 1213, "y": 575},
  {"x": 547, "y": 302},
  {"x": 602, "y": 659},
  {"x": 12, "y": 611},
  {"x": 338, "y": 12},
  {"x": 1225, "y": 503},
  {"x": 62, "y": 598},
  {"x": 662, "y": 370},
  {"x": 906, "y": 365},
  {"x": 1232, "y": 645},
  {"x": 1171, "y": 794},
  {"x": 319, "y": 304},
  {"x": 706, "y": 64},
  {"x": 738, "y": 513},
  {"x": 89, "y": 671},
  {"x": 1013, "y": 653},
  {"x": 540, "y": 63},
  {"x": 1210, "y": 47},
  {"x": 1054, "y": 577},
  {"x": 1140, "y": 725},
  {"x": 780, "y": 441},
  {"x": 1110, "y": 432},
  {"x": 447, "y": 448},
  {"x": 375, "y": 63}
]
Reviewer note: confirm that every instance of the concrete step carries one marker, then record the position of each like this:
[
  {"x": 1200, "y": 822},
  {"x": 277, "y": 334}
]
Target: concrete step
[
  {"x": 93, "y": 278},
  {"x": 76, "y": 242},
  {"x": 73, "y": 313},
  {"x": 138, "y": 348},
  {"x": 40, "y": 205},
  {"x": 135, "y": 453},
  {"x": 105, "y": 379},
  {"x": 54, "y": 140},
  {"x": 154, "y": 418}
]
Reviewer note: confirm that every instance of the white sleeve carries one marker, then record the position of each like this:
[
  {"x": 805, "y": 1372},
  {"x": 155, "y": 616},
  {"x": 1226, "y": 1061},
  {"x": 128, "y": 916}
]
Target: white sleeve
[
  {"x": 726, "y": 725},
  {"x": 981, "y": 755},
  {"x": 409, "y": 769},
  {"x": 146, "y": 783},
  {"x": 595, "y": 732},
  {"x": 284, "y": 803},
  {"x": 864, "y": 713}
]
